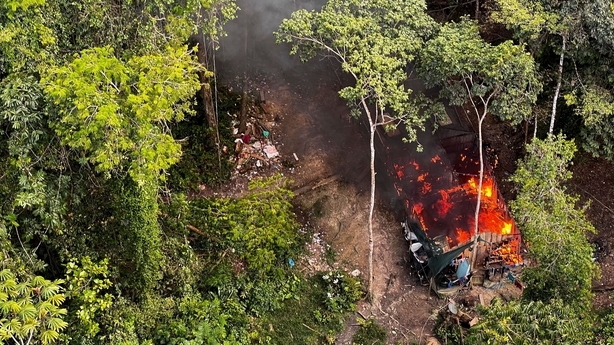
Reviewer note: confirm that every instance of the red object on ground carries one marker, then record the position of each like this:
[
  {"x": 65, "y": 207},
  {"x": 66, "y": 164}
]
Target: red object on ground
[{"x": 246, "y": 138}]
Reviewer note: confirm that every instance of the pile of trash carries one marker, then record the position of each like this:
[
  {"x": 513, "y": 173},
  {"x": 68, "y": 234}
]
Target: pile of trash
[{"x": 255, "y": 153}]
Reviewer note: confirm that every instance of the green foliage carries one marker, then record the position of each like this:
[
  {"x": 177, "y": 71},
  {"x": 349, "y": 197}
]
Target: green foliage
[
  {"x": 448, "y": 332},
  {"x": 374, "y": 41},
  {"x": 134, "y": 28},
  {"x": 197, "y": 322},
  {"x": 31, "y": 309},
  {"x": 502, "y": 79},
  {"x": 302, "y": 320},
  {"x": 137, "y": 214},
  {"x": 117, "y": 113},
  {"x": 604, "y": 329},
  {"x": 530, "y": 322},
  {"x": 369, "y": 333},
  {"x": 553, "y": 227},
  {"x": 87, "y": 282},
  {"x": 199, "y": 163},
  {"x": 118, "y": 222},
  {"x": 27, "y": 22},
  {"x": 259, "y": 228},
  {"x": 528, "y": 18},
  {"x": 597, "y": 112},
  {"x": 342, "y": 291},
  {"x": 34, "y": 188},
  {"x": 173, "y": 320}
]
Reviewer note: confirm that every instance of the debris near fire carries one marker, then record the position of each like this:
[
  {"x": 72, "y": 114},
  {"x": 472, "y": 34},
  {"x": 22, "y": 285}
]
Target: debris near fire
[
  {"x": 439, "y": 194},
  {"x": 255, "y": 148}
]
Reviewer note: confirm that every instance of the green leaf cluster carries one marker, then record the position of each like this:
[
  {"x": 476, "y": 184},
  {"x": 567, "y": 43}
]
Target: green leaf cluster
[
  {"x": 534, "y": 322},
  {"x": 259, "y": 227},
  {"x": 374, "y": 41},
  {"x": 30, "y": 308},
  {"x": 500, "y": 78},
  {"x": 117, "y": 113},
  {"x": 86, "y": 285},
  {"x": 553, "y": 227}
]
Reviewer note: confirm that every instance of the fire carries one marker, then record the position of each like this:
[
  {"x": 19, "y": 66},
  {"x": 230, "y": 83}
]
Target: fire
[
  {"x": 426, "y": 187},
  {"x": 415, "y": 165},
  {"x": 443, "y": 205},
  {"x": 422, "y": 177},
  {"x": 462, "y": 236},
  {"x": 487, "y": 191},
  {"x": 435, "y": 159},
  {"x": 399, "y": 170},
  {"x": 487, "y": 186},
  {"x": 507, "y": 228},
  {"x": 418, "y": 207},
  {"x": 506, "y": 254}
]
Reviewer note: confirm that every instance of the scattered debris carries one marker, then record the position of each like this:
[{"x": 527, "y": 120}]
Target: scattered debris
[{"x": 271, "y": 151}]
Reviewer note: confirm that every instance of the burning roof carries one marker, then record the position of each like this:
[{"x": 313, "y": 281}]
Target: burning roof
[{"x": 440, "y": 192}]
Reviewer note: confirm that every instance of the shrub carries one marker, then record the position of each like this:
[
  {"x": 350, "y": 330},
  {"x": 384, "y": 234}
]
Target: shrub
[
  {"x": 370, "y": 333},
  {"x": 342, "y": 291}
]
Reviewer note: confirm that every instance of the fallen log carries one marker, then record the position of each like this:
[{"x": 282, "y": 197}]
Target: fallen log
[{"x": 309, "y": 187}]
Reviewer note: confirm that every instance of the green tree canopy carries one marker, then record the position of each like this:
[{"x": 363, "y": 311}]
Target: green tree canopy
[
  {"x": 500, "y": 79},
  {"x": 554, "y": 229},
  {"x": 117, "y": 113}
]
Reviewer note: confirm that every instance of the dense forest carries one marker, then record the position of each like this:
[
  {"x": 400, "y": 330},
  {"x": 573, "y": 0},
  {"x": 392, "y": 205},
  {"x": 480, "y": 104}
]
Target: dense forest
[{"x": 107, "y": 128}]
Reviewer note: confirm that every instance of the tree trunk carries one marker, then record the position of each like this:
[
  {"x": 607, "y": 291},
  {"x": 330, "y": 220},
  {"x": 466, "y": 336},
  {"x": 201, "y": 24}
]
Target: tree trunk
[
  {"x": 535, "y": 127},
  {"x": 558, "y": 87},
  {"x": 372, "y": 198},
  {"x": 476, "y": 228},
  {"x": 205, "y": 88},
  {"x": 477, "y": 10}
]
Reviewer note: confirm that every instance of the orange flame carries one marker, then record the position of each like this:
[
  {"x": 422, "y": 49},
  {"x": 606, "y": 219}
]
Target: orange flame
[
  {"x": 426, "y": 188},
  {"x": 507, "y": 228},
  {"x": 443, "y": 205},
  {"x": 422, "y": 177},
  {"x": 418, "y": 207},
  {"x": 462, "y": 236}
]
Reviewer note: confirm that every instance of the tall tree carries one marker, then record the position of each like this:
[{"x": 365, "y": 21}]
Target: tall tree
[
  {"x": 373, "y": 41},
  {"x": 488, "y": 79},
  {"x": 552, "y": 225},
  {"x": 117, "y": 113},
  {"x": 580, "y": 33}
]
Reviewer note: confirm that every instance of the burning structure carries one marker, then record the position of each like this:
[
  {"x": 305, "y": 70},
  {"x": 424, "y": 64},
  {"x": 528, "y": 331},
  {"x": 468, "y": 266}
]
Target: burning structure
[{"x": 439, "y": 192}]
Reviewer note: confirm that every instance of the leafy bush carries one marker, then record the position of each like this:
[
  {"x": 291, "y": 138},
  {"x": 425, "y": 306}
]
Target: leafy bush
[
  {"x": 370, "y": 333},
  {"x": 301, "y": 320},
  {"x": 30, "y": 309},
  {"x": 604, "y": 330},
  {"x": 521, "y": 322},
  {"x": 553, "y": 225},
  {"x": 447, "y": 332},
  {"x": 87, "y": 285},
  {"x": 259, "y": 228},
  {"x": 341, "y": 291}
]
